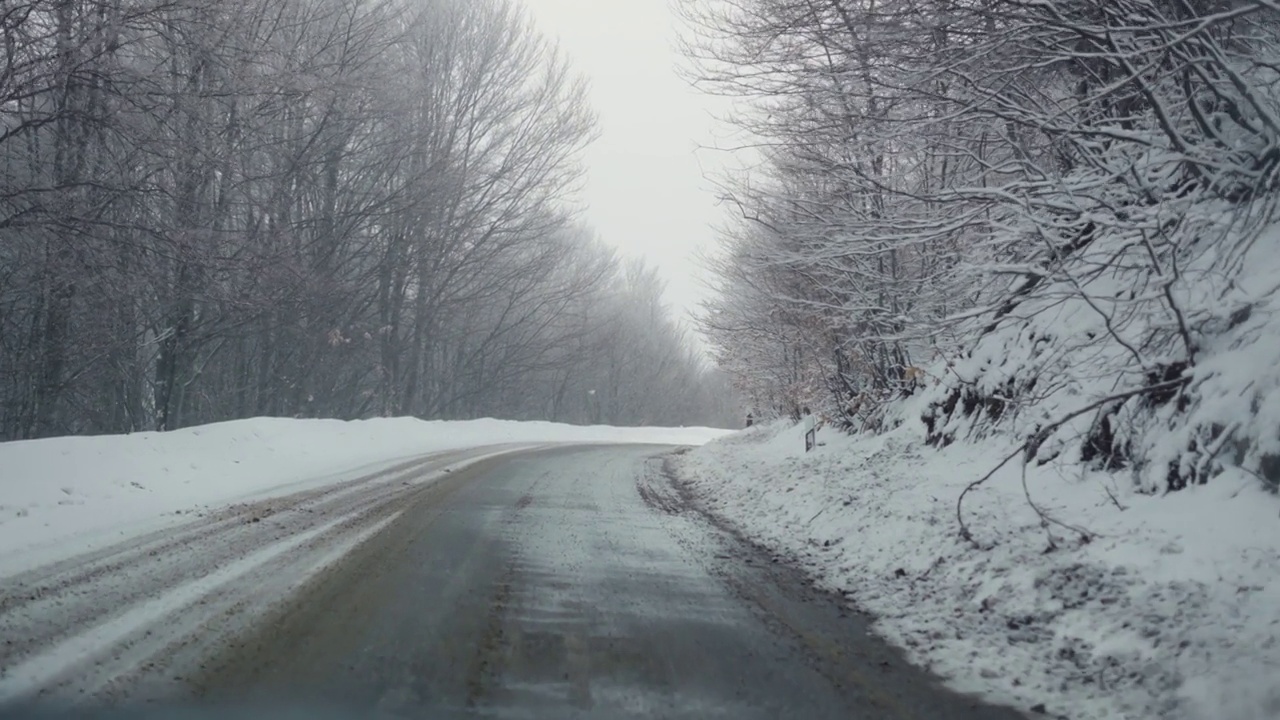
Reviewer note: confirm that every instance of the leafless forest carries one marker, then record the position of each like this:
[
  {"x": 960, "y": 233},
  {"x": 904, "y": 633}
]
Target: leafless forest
[
  {"x": 1055, "y": 217},
  {"x": 214, "y": 209}
]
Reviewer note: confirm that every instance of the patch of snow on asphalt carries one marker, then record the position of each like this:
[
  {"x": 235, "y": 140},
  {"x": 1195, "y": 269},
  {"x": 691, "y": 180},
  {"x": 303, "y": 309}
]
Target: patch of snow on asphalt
[
  {"x": 1172, "y": 610},
  {"x": 102, "y": 489}
]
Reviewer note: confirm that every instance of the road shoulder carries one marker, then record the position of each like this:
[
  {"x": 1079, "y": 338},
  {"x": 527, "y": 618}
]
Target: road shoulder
[{"x": 837, "y": 637}]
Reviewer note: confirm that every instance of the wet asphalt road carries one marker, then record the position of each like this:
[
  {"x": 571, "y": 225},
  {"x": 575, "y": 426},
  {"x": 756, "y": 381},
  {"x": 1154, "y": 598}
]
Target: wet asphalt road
[{"x": 569, "y": 583}]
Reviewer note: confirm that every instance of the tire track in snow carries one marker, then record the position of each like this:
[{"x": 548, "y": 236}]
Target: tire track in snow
[
  {"x": 44, "y": 608},
  {"x": 86, "y": 625}
]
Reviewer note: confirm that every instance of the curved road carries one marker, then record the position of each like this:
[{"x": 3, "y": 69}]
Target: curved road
[
  {"x": 571, "y": 583},
  {"x": 547, "y": 583}
]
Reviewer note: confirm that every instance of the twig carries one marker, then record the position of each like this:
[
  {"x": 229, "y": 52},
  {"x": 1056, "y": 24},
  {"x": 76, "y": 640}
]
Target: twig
[
  {"x": 1033, "y": 443},
  {"x": 815, "y": 515},
  {"x": 964, "y": 529},
  {"x": 1114, "y": 500},
  {"x": 1029, "y": 447},
  {"x": 1046, "y": 519}
]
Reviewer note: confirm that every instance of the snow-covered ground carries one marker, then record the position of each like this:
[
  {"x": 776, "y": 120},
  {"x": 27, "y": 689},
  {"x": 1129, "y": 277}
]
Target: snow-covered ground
[
  {"x": 1170, "y": 610},
  {"x": 62, "y": 496}
]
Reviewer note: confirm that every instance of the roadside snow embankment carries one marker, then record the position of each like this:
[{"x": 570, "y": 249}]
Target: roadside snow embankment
[
  {"x": 1172, "y": 610},
  {"x": 119, "y": 485}
]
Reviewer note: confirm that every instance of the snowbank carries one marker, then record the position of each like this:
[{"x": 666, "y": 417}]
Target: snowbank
[
  {"x": 1172, "y": 610},
  {"x": 55, "y": 489}
]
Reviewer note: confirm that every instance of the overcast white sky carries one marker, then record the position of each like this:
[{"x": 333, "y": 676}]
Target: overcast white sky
[{"x": 645, "y": 188}]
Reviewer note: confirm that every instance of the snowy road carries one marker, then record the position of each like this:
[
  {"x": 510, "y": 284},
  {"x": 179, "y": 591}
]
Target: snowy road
[
  {"x": 97, "y": 627},
  {"x": 559, "y": 583}
]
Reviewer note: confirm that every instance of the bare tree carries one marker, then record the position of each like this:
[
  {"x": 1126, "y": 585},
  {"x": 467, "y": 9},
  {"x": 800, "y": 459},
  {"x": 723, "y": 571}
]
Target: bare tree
[
  {"x": 334, "y": 208},
  {"x": 942, "y": 181}
]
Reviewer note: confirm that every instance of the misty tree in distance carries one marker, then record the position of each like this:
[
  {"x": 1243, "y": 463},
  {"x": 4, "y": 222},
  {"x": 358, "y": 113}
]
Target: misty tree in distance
[{"x": 311, "y": 208}]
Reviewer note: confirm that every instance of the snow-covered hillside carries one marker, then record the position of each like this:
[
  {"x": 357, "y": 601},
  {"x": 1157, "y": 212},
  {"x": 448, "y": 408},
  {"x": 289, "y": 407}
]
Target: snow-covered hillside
[
  {"x": 61, "y": 494},
  {"x": 1027, "y": 253},
  {"x": 1174, "y": 377},
  {"x": 1169, "y": 609}
]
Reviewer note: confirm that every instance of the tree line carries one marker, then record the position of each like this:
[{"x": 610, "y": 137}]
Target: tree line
[
  {"x": 1021, "y": 201},
  {"x": 215, "y": 209}
]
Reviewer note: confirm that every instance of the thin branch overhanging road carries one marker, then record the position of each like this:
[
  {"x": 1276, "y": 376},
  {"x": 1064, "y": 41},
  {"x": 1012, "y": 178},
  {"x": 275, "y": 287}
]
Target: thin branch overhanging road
[{"x": 572, "y": 582}]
